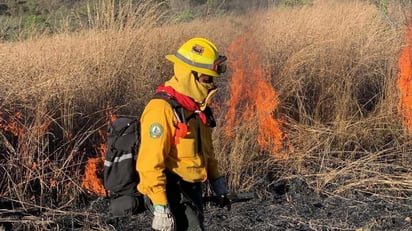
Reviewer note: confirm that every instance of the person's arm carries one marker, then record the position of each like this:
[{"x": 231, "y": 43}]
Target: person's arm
[{"x": 156, "y": 141}]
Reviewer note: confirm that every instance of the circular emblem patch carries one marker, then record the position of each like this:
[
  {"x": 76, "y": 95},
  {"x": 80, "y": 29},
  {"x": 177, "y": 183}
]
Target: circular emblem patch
[{"x": 156, "y": 130}]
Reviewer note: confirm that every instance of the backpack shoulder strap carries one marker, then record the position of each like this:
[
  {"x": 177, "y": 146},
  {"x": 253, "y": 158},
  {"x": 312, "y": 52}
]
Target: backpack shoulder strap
[
  {"x": 177, "y": 108},
  {"x": 169, "y": 98},
  {"x": 179, "y": 111}
]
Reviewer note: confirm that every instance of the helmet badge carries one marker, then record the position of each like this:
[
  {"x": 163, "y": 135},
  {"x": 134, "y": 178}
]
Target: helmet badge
[{"x": 197, "y": 49}]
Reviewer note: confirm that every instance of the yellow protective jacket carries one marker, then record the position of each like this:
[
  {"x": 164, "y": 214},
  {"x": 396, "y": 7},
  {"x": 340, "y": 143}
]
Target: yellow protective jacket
[{"x": 158, "y": 151}]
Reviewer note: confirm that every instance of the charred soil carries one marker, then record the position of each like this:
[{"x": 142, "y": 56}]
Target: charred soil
[{"x": 289, "y": 206}]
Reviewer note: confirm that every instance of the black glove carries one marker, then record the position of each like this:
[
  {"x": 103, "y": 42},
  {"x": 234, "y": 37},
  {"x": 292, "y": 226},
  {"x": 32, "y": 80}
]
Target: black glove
[
  {"x": 223, "y": 201},
  {"x": 220, "y": 188}
]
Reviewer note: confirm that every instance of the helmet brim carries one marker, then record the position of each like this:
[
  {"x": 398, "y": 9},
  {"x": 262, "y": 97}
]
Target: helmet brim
[{"x": 174, "y": 59}]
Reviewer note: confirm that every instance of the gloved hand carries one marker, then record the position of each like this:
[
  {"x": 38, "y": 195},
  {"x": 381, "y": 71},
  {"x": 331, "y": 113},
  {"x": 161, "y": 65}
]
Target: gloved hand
[
  {"x": 163, "y": 219},
  {"x": 223, "y": 201},
  {"x": 220, "y": 188}
]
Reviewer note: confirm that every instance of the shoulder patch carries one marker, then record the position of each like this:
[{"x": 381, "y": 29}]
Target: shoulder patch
[{"x": 156, "y": 130}]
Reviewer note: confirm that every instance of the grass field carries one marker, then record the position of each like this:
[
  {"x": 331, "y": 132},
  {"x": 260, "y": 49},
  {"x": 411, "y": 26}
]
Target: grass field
[{"x": 313, "y": 92}]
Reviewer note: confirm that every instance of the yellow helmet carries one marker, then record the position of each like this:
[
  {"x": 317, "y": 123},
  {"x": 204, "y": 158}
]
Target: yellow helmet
[{"x": 200, "y": 55}]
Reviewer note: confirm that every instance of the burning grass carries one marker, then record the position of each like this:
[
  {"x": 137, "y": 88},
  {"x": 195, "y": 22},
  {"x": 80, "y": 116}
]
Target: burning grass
[{"x": 315, "y": 85}]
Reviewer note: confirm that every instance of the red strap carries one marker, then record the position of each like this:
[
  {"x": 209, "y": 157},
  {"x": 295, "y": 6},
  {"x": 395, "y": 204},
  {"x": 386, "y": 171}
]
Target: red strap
[{"x": 185, "y": 101}]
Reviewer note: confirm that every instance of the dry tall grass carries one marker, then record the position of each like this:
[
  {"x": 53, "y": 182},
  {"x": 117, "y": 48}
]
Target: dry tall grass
[
  {"x": 332, "y": 64},
  {"x": 335, "y": 68}
]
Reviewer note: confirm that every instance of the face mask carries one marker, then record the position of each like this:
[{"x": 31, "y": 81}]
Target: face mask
[
  {"x": 186, "y": 83},
  {"x": 208, "y": 86}
]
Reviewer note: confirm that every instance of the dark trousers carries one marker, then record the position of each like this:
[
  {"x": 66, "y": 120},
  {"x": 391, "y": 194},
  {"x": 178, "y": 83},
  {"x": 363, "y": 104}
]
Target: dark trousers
[{"x": 185, "y": 201}]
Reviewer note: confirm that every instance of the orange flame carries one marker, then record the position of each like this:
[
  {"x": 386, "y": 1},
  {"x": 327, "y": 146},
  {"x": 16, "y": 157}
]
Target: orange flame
[
  {"x": 92, "y": 180},
  {"x": 253, "y": 99},
  {"x": 405, "y": 80},
  {"x": 12, "y": 124}
]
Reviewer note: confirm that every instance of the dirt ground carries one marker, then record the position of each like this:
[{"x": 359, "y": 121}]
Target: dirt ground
[
  {"x": 288, "y": 207},
  {"x": 299, "y": 208}
]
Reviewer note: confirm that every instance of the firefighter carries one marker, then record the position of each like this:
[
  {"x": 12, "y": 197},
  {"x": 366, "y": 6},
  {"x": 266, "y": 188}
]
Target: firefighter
[{"x": 176, "y": 152}]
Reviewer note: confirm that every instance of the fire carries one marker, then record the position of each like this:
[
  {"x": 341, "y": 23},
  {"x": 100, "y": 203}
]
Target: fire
[
  {"x": 253, "y": 99},
  {"x": 25, "y": 131},
  {"x": 405, "y": 80},
  {"x": 12, "y": 124},
  {"x": 92, "y": 180}
]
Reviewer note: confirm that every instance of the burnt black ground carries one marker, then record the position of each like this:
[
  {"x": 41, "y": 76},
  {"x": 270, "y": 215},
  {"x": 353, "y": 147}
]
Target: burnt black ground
[
  {"x": 297, "y": 208},
  {"x": 302, "y": 209}
]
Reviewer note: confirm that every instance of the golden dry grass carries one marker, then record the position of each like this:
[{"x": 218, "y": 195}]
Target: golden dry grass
[{"x": 333, "y": 66}]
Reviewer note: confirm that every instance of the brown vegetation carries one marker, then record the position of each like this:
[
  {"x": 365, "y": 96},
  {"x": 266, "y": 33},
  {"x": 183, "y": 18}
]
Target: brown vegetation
[{"x": 333, "y": 67}]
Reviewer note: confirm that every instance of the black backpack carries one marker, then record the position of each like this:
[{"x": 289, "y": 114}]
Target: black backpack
[
  {"x": 123, "y": 138},
  {"x": 122, "y": 144},
  {"x": 119, "y": 173}
]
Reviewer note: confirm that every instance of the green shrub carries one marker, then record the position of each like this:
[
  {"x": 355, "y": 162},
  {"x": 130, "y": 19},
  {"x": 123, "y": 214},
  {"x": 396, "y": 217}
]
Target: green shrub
[
  {"x": 183, "y": 16},
  {"x": 294, "y": 2}
]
